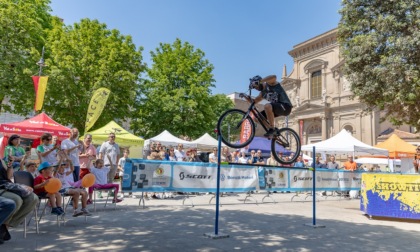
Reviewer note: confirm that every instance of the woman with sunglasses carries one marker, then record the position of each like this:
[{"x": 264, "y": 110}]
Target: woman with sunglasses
[{"x": 46, "y": 151}]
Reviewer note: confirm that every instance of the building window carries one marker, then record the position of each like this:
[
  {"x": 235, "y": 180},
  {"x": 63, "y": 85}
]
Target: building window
[{"x": 316, "y": 85}]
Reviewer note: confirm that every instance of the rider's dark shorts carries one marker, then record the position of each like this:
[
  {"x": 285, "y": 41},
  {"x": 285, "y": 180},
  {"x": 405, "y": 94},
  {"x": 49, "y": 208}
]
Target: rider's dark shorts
[{"x": 279, "y": 109}]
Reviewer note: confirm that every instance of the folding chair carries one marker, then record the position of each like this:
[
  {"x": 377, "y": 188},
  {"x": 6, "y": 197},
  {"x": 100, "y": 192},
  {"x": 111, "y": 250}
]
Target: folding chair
[
  {"x": 107, "y": 197},
  {"x": 25, "y": 178}
]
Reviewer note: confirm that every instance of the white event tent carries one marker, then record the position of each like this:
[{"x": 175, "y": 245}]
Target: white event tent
[
  {"x": 344, "y": 143},
  {"x": 166, "y": 138},
  {"x": 206, "y": 142}
]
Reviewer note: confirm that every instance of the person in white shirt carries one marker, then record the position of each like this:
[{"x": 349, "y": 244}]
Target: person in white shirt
[
  {"x": 112, "y": 149},
  {"x": 243, "y": 159},
  {"x": 213, "y": 156},
  {"x": 72, "y": 147},
  {"x": 65, "y": 174},
  {"x": 180, "y": 154}
]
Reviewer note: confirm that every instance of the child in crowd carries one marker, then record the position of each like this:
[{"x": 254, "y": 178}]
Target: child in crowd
[
  {"x": 46, "y": 171},
  {"x": 29, "y": 166},
  {"x": 65, "y": 174},
  {"x": 121, "y": 164},
  {"x": 101, "y": 174}
]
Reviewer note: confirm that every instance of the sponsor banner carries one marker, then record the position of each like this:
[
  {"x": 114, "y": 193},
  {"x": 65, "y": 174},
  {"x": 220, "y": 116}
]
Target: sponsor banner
[
  {"x": 391, "y": 195},
  {"x": 349, "y": 180},
  {"x": 327, "y": 180},
  {"x": 148, "y": 175},
  {"x": 151, "y": 176},
  {"x": 275, "y": 179}
]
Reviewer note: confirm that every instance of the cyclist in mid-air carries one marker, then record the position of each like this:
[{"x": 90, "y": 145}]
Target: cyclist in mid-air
[{"x": 279, "y": 103}]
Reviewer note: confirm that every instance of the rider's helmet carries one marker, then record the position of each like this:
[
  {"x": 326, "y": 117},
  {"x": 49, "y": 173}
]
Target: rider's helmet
[{"x": 255, "y": 82}]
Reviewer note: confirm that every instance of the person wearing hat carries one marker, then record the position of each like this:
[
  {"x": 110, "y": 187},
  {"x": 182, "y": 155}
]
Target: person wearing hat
[
  {"x": 45, "y": 174},
  {"x": 13, "y": 151}
]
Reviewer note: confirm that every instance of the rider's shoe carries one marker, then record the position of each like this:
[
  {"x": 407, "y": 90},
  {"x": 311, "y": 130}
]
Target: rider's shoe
[{"x": 270, "y": 132}]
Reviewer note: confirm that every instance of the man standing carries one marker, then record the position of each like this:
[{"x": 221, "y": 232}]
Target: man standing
[
  {"x": 256, "y": 159},
  {"x": 350, "y": 165},
  {"x": 87, "y": 155},
  {"x": 71, "y": 146},
  {"x": 180, "y": 154},
  {"x": 332, "y": 164},
  {"x": 112, "y": 149}
]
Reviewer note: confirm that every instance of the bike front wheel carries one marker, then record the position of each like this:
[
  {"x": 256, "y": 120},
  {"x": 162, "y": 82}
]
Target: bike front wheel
[
  {"x": 236, "y": 128},
  {"x": 285, "y": 147}
]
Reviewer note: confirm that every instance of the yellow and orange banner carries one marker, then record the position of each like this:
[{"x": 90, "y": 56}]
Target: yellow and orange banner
[
  {"x": 96, "y": 106},
  {"x": 40, "y": 85}
]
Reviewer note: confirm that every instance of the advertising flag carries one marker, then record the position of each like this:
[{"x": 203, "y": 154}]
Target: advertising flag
[
  {"x": 40, "y": 84},
  {"x": 96, "y": 106}
]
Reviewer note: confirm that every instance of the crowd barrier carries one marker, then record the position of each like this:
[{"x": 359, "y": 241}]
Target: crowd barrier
[{"x": 161, "y": 176}]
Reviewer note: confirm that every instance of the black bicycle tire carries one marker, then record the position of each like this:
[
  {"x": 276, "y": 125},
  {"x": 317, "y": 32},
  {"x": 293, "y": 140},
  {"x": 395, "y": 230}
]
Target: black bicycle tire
[
  {"x": 219, "y": 130},
  {"x": 296, "y": 152}
]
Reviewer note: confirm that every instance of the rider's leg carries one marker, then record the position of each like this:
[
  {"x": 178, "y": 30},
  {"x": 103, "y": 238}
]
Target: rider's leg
[
  {"x": 270, "y": 117},
  {"x": 270, "y": 114}
]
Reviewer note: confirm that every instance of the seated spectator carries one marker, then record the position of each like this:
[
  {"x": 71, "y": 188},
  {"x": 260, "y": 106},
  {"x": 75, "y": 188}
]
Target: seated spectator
[
  {"x": 46, "y": 172},
  {"x": 65, "y": 174},
  {"x": 101, "y": 174},
  {"x": 24, "y": 206},
  {"x": 7, "y": 207}
]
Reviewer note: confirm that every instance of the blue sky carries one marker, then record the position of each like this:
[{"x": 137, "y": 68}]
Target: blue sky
[{"x": 241, "y": 38}]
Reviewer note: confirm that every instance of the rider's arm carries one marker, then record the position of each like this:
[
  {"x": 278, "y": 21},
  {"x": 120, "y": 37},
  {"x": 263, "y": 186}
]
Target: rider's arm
[
  {"x": 258, "y": 98},
  {"x": 270, "y": 80}
]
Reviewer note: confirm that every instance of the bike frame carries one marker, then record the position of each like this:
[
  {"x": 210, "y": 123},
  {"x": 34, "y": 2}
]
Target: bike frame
[{"x": 254, "y": 111}]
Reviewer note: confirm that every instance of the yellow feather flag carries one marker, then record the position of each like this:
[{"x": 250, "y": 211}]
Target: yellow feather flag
[
  {"x": 96, "y": 106},
  {"x": 40, "y": 84}
]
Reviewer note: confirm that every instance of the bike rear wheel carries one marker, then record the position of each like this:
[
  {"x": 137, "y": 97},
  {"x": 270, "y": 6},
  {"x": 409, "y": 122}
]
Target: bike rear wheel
[
  {"x": 236, "y": 128},
  {"x": 285, "y": 147}
]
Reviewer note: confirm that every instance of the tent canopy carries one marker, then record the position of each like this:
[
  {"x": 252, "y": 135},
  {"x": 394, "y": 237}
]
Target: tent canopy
[
  {"x": 166, "y": 138},
  {"x": 397, "y": 147},
  {"x": 263, "y": 144},
  {"x": 122, "y": 136},
  {"x": 206, "y": 142},
  {"x": 35, "y": 127},
  {"x": 344, "y": 143}
]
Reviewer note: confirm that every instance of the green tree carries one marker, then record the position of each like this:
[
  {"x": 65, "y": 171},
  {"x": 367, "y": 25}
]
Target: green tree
[
  {"x": 83, "y": 58},
  {"x": 380, "y": 42},
  {"x": 177, "y": 95},
  {"x": 23, "y": 28}
]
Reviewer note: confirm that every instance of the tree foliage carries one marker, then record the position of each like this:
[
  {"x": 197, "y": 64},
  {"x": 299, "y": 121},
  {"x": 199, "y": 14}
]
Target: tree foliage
[
  {"x": 380, "y": 42},
  {"x": 83, "y": 58},
  {"x": 177, "y": 95},
  {"x": 23, "y": 28}
]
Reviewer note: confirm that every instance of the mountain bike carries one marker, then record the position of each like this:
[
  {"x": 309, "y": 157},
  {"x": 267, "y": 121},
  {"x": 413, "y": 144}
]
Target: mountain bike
[{"x": 237, "y": 130}]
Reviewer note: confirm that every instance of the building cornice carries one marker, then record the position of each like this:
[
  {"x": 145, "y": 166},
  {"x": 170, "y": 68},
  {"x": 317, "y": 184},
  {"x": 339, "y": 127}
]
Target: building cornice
[{"x": 321, "y": 42}]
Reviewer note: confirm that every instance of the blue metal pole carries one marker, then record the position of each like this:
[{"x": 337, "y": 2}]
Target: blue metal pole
[
  {"x": 313, "y": 187},
  {"x": 219, "y": 145}
]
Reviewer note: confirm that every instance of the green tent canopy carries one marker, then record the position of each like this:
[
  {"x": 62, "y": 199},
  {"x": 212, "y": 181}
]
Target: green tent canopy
[{"x": 122, "y": 136}]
